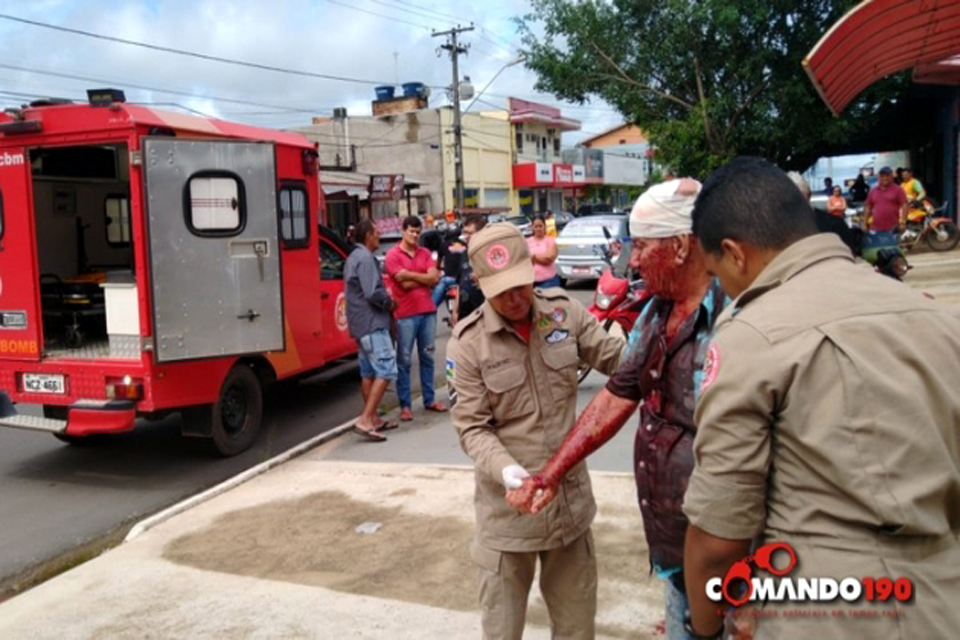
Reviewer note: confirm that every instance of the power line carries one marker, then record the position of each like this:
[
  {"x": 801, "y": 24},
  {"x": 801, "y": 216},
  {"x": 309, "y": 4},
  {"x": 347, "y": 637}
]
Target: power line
[
  {"x": 279, "y": 109},
  {"x": 445, "y": 16},
  {"x": 379, "y": 15},
  {"x": 202, "y": 56},
  {"x": 414, "y": 12}
]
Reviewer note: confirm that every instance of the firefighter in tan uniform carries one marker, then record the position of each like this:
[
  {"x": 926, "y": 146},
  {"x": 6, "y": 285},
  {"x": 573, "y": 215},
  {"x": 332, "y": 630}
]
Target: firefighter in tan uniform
[
  {"x": 512, "y": 368},
  {"x": 828, "y": 419}
]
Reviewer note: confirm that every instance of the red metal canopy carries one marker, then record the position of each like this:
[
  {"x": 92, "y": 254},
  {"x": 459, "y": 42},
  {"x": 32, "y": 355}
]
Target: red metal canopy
[{"x": 880, "y": 37}]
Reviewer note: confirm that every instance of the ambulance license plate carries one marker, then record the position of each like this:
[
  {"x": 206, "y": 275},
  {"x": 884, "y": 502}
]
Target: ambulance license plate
[{"x": 43, "y": 383}]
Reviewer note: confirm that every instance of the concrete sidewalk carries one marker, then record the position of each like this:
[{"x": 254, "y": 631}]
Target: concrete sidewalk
[{"x": 320, "y": 548}]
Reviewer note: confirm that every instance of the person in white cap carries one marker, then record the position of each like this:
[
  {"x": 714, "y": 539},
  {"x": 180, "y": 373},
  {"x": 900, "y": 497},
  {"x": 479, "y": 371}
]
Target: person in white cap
[
  {"x": 512, "y": 370},
  {"x": 662, "y": 370}
]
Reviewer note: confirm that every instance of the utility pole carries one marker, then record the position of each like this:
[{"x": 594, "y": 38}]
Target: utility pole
[{"x": 455, "y": 50}]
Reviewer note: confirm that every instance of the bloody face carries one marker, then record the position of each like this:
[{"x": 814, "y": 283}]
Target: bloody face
[{"x": 656, "y": 259}]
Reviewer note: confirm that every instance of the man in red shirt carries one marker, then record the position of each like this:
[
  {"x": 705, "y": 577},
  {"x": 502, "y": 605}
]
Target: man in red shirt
[
  {"x": 413, "y": 273},
  {"x": 887, "y": 204}
]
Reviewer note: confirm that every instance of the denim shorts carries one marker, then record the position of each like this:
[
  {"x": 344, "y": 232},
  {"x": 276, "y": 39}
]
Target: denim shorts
[{"x": 377, "y": 356}]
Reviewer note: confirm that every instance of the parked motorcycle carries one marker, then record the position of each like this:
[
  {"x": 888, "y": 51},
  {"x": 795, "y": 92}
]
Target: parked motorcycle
[
  {"x": 931, "y": 224},
  {"x": 617, "y": 300},
  {"x": 450, "y": 302}
]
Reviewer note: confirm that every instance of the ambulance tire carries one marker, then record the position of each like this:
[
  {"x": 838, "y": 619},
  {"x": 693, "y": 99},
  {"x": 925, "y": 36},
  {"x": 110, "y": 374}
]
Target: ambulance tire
[{"x": 238, "y": 413}]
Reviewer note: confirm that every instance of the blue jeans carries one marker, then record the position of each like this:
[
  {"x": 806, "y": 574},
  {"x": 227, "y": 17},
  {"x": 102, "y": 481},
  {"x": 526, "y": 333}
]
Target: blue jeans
[
  {"x": 440, "y": 289},
  {"x": 423, "y": 329},
  {"x": 377, "y": 357},
  {"x": 677, "y": 610}
]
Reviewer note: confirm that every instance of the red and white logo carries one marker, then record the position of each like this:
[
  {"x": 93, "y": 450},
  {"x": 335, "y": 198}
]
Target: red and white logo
[
  {"x": 740, "y": 586},
  {"x": 498, "y": 256},
  {"x": 711, "y": 366},
  {"x": 340, "y": 311}
]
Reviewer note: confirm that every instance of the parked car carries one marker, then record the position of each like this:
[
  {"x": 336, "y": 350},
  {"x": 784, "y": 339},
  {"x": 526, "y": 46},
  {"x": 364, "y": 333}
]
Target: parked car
[
  {"x": 523, "y": 223},
  {"x": 562, "y": 218},
  {"x": 581, "y": 243}
]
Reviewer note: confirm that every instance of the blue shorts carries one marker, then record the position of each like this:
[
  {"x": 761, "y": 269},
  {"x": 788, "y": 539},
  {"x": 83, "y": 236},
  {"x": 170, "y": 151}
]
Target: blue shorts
[{"x": 378, "y": 359}]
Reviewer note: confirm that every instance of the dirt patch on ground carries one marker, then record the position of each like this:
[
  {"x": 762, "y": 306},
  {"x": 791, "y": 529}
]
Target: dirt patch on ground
[{"x": 411, "y": 557}]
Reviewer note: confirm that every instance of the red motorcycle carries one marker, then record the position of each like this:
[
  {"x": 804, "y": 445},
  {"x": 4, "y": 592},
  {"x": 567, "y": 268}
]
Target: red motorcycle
[{"x": 617, "y": 301}]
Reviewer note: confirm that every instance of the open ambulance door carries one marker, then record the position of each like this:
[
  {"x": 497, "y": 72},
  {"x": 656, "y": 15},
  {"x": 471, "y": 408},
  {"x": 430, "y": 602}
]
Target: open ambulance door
[
  {"x": 21, "y": 320},
  {"x": 213, "y": 242}
]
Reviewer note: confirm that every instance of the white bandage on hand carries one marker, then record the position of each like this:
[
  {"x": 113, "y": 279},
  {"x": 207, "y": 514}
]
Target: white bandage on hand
[{"x": 513, "y": 476}]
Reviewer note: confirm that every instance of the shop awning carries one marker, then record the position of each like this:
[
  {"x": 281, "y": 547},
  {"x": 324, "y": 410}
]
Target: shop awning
[{"x": 880, "y": 37}]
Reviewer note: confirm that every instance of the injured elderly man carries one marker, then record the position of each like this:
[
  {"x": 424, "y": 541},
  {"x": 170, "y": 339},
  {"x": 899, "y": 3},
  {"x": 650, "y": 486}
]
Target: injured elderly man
[{"x": 667, "y": 357}]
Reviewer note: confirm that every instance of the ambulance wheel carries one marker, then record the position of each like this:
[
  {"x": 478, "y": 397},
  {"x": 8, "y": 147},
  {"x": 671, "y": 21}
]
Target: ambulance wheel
[{"x": 237, "y": 413}]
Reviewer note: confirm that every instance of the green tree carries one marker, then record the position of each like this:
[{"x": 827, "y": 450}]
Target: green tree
[{"x": 706, "y": 79}]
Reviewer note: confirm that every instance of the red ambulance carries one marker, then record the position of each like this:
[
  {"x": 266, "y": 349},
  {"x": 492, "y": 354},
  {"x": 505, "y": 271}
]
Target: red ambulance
[{"x": 153, "y": 261}]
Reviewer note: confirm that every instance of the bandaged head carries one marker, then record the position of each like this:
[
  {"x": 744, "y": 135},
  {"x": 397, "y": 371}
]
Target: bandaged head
[{"x": 664, "y": 210}]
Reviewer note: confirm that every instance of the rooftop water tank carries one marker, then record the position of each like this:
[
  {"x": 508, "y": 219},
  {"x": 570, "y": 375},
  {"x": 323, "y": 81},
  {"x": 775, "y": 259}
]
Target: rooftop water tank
[
  {"x": 385, "y": 92},
  {"x": 413, "y": 89}
]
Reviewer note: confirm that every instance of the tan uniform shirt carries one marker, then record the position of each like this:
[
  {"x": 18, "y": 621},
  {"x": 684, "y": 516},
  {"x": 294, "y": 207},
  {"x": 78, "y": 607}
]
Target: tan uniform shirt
[
  {"x": 828, "y": 418},
  {"x": 514, "y": 404}
]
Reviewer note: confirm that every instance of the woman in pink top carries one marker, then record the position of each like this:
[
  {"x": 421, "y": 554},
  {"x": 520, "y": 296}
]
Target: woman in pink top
[{"x": 543, "y": 252}]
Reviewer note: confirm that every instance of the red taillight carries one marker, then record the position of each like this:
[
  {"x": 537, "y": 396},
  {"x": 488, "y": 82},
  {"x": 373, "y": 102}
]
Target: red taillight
[{"x": 125, "y": 388}]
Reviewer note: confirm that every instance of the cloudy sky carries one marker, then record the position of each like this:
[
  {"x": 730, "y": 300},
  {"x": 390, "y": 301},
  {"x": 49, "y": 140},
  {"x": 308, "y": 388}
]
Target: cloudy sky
[{"x": 364, "y": 42}]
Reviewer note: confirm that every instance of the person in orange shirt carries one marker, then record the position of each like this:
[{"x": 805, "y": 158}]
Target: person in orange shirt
[{"x": 837, "y": 204}]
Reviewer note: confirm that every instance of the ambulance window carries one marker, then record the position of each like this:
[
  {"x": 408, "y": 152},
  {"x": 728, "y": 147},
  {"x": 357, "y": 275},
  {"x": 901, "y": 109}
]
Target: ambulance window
[
  {"x": 215, "y": 204},
  {"x": 293, "y": 217},
  {"x": 332, "y": 263},
  {"x": 117, "y": 209}
]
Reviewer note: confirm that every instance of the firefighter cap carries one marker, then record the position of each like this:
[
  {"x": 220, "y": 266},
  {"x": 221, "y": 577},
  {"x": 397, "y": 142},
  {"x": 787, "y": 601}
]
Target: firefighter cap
[{"x": 500, "y": 259}]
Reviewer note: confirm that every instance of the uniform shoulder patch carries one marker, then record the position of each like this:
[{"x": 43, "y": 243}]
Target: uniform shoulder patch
[
  {"x": 711, "y": 366},
  {"x": 465, "y": 323},
  {"x": 554, "y": 293}
]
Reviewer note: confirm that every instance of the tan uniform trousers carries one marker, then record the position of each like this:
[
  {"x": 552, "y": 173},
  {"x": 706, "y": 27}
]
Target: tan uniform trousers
[{"x": 568, "y": 581}]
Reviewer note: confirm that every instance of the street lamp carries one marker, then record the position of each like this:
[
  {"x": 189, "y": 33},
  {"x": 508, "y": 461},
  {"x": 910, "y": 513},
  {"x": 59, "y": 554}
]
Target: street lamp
[{"x": 515, "y": 61}]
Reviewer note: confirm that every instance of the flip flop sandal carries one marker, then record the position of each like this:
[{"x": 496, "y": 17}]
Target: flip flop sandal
[
  {"x": 369, "y": 436},
  {"x": 386, "y": 425},
  {"x": 436, "y": 406},
  {"x": 406, "y": 415}
]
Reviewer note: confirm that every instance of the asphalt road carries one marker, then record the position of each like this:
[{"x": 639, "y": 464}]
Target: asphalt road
[{"x": 56, "y": 499}]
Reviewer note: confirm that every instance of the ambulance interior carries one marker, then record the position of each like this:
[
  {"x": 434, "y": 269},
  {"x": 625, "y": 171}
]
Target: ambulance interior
[{"x": 81, "y": 198}]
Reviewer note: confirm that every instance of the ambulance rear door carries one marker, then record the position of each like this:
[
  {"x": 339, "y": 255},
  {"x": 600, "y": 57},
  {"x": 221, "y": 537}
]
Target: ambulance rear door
[
  {"x": 20, "y": 317},
  {"x": 213, "y": 242}
]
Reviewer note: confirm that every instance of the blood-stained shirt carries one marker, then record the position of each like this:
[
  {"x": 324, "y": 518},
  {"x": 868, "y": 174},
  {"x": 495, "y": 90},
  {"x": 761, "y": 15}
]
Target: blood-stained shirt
[{"x": 664, "y": 376}]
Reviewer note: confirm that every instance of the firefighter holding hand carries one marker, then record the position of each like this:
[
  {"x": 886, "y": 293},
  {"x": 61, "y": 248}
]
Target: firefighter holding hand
[{"x": 512, "y": 368}]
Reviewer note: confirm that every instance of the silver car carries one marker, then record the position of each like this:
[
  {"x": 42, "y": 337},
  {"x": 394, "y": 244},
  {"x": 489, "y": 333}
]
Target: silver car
[{"x": 581, "y": 244}]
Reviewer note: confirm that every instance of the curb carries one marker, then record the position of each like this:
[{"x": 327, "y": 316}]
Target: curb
[
  {"x": 145, "y": 525},
  {"x": 178, "y": 508}
]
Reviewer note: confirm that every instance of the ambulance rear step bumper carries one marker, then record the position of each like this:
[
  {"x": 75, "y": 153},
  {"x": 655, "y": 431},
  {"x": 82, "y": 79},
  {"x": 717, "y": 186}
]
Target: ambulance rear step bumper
[
  {"x": 90, "y": 416},
  {"x": 34, "y": 423}
]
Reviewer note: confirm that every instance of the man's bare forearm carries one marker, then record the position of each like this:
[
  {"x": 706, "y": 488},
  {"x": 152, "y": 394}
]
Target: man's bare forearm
[
  {"x": 707, "y": 556},
  {"x": 601, "y": 420}
]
